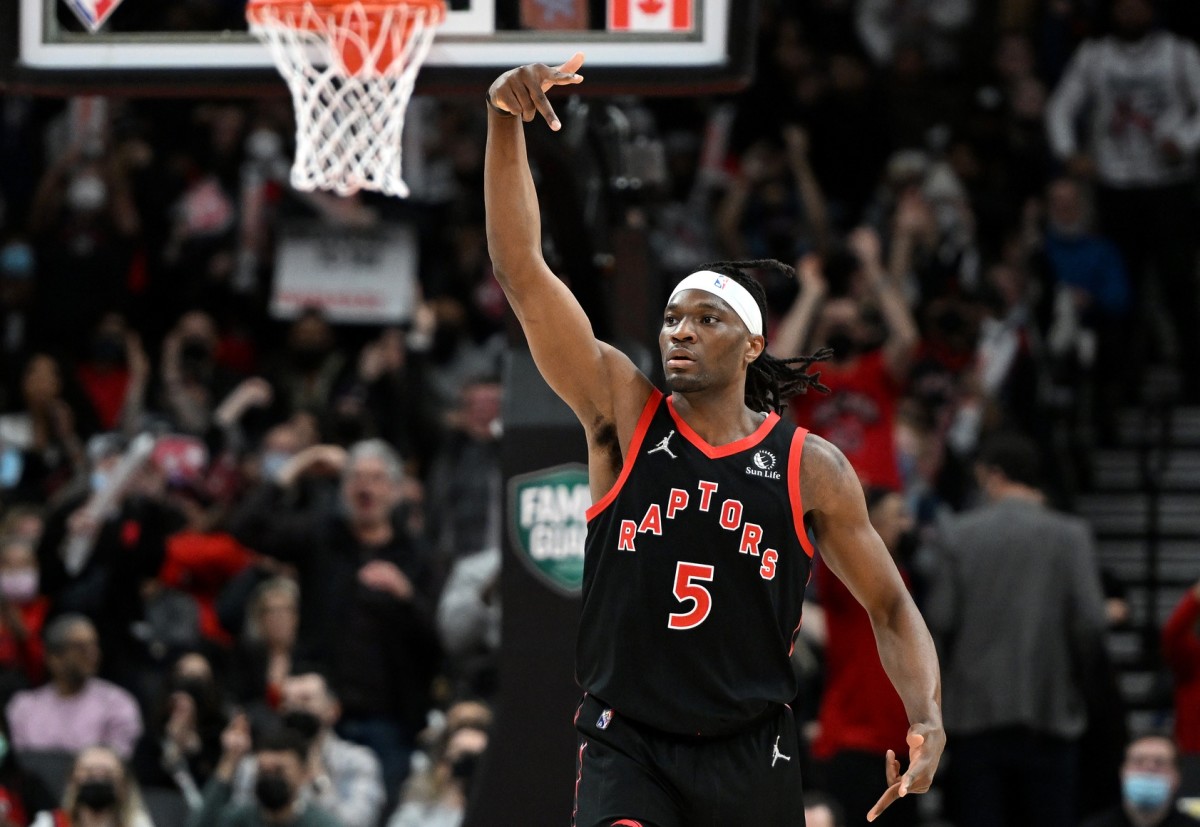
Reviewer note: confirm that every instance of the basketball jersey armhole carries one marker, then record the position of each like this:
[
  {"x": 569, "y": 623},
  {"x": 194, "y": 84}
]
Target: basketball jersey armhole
[
  {"x": 635, "y": 445},
  {"x": 795, "y": 455}
]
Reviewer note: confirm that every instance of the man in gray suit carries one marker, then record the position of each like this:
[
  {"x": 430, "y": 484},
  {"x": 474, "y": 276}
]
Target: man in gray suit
[{"x": 1018, "y": 611}]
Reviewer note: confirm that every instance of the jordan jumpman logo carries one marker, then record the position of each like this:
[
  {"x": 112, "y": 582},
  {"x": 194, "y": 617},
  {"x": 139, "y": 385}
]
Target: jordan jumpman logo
[
  {"x": 776, "y": 754},
  {"x": 662, "y": 446}
]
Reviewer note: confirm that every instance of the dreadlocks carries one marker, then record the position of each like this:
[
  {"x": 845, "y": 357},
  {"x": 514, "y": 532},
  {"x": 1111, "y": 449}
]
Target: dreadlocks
[{"x": 771, "y": 381}]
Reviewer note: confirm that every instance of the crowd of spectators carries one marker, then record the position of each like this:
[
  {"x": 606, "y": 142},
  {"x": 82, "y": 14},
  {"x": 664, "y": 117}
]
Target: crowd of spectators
[{"x": 252, "y": 561}]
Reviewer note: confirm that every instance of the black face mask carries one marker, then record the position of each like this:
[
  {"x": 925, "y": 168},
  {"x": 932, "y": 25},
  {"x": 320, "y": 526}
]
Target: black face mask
[
  {"x": 1132, "y": 34},
  {"x": 97, "y": 796},
  {"x": 306, "y": 724},
  {"x": 308, "y": 358},
  {"x": 272, "y": 792},
  {"x": 108, "y": 350},
  {"x": 199, "y": 689},
  {"x": 195, "y": 351},
  {"x": 842, "y": 343},
  {"x": 464, "y": 768}
]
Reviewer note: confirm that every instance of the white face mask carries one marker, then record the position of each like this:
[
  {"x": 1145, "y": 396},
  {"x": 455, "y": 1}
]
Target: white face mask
[
  {"x": 99, "y": 480},
  {"x": 19, "y": 586},
  {"x": 87, "y": 193}
]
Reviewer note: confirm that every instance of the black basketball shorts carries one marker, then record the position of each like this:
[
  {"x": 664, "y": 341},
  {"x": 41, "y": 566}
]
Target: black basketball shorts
[{"x": 633, "y": 776}]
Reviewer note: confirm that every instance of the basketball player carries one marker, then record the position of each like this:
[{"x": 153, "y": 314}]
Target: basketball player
[{"x": 706, "y": 509}]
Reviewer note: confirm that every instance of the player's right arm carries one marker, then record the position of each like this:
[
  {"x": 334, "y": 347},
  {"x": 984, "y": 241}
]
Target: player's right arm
[
  {"x": 855, "y": 553},
  {"x": 600, "y": 384}
]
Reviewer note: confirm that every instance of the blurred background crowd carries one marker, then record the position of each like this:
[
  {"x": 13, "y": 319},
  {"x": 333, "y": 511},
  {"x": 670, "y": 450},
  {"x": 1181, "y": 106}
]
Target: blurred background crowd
[{"x": 249, "y": 560}]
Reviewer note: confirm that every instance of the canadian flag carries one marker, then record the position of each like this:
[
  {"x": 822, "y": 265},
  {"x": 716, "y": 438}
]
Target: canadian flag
[{"x": 650, "y": 15}]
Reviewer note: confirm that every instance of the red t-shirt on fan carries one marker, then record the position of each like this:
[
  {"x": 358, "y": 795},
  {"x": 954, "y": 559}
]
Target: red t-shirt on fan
[{"x": 858, "y": 416}]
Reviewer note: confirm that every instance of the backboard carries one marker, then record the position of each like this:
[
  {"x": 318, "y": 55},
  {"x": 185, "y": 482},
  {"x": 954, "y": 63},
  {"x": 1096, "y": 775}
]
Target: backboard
[{"x": 203, "y": 47}]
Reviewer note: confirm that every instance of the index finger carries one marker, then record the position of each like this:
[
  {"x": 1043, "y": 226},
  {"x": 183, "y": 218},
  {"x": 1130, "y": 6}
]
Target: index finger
[
  {"x": 889, "y": 796},
  {"x": 571, "y": 66},
  {"x": 542, "y": 103}
]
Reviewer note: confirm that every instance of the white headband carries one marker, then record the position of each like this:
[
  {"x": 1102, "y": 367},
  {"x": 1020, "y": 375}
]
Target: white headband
[{"x": 727, "y": 290}]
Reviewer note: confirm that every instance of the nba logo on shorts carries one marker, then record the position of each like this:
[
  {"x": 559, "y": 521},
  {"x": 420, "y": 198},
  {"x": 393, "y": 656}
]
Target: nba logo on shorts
[
  {"x": 605, "y": 719},
  {"x": 719, "y": 282}
]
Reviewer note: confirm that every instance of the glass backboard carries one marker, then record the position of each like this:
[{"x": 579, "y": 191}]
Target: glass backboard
[{"x": 202, "y": 46}]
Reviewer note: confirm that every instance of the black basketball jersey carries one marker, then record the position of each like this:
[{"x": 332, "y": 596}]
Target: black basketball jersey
[{"x": 694, "y": 575}]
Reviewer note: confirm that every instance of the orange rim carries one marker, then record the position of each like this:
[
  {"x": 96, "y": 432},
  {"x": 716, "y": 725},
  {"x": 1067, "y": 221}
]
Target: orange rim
[
  {"x": 363, "y": 34},
  {"x": 255, "y": 8}
]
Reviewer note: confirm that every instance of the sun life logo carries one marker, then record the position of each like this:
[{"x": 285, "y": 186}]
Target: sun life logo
[{"x": 764, "y": 466}]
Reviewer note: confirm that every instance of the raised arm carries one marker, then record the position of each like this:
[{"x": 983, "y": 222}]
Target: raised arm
[
  {"x": 853, "y": 551},
  {"x": 900, "y": 347},
  {"x": 599, "y": 382},
  {"x": 791, "y": 337},
  {"x": 807, "y": 186}
]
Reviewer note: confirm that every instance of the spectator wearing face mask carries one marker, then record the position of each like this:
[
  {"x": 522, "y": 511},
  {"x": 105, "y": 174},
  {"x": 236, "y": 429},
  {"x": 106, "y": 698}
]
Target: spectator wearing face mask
[
  {"x": 75, "y": 709},
  {"x": 194, "y": 382},
  {"x": 84, "y": 225},
  {"x": 182, "y": 744},
  {"x": 281, "y": 757},
  {"x": 22, "y": 615},
  {"x": 439, "y": 797},
  {"x": 312, "y": 365},
  {"x": 343, "y": 778},
  {"x": 101, "y": 792},
  {"x": 1149, "y": 784},
  {"x": 103, "y": 543},
  {"x": 113, "y": 373},
  {"x": 858, "y": 416}
]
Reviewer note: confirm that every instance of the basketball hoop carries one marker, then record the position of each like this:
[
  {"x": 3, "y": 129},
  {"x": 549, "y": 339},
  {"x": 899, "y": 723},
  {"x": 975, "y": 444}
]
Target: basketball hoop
[{"x": 350, "y": 66}]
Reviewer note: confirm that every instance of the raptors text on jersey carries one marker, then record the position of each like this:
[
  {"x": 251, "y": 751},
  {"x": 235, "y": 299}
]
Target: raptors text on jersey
[{"x": 694, "y": 575}]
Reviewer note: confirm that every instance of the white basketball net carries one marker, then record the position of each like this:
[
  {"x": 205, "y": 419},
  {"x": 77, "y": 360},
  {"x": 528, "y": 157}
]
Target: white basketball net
[{"x": 348, "y": 125}]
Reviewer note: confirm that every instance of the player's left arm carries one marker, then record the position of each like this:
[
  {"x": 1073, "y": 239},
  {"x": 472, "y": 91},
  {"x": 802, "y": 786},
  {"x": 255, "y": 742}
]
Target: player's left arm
[{"x": 833, "y": 498}]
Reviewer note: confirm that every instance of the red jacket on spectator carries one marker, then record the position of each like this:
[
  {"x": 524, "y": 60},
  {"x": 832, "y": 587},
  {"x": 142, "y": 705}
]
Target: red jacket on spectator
[
  {"x": 25, "y": 653},
  {"x": 105, "y": 389},
  {"x": 1181, "y": 648},
  {"x": 858, "y": 416},
  {"x": 860, "y": 709},
  {"x": 201, "y": 564}
]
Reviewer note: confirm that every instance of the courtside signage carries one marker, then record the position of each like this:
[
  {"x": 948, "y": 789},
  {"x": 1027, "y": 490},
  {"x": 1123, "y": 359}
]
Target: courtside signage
[{"x": 547, "y": 525}]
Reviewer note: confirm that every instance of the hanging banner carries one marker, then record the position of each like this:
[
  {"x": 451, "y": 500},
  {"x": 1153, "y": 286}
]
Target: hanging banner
[{"x": 354, "y": 276}]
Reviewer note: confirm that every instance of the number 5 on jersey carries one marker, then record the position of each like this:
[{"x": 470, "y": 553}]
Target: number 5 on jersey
[{"x": 686, "y": 588}]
